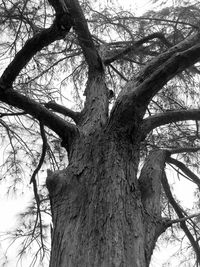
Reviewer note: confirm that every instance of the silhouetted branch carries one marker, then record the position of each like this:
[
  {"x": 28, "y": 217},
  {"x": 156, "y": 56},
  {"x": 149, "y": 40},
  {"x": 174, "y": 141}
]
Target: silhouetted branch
[
  {"x": 31, "y": 47},
  {"x": 118, "y": 72},
  {"x": 184, "y": 150},
  {"x": 84, "y": 36},
  {"x": 63, "y": 110},
  {"x": 120, "y": 54},
  {"x": 166, "y": 66},
  {"x": 181, "y": 216},
  {"x": 44, "y": 149},
  {"x": 185, "y": 170},
  {"x": 64, "y": 129},
  {"x": 12, "y": 114},
  {"x": 196, "y": 215},
  {"x": 154, "y": 121},
  {"x": 136, "y": 95},
  {"x": 38, "y": 216}
]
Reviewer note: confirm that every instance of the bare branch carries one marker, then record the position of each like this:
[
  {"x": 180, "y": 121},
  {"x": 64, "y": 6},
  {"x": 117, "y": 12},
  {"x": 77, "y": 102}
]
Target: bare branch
[
  {"x": 84, "y": 36},
  {"x": 44, "y": 149},
  {"x": 135, "y": 45},
  {"x": 184, "y": 219},
  {"x": 38, "y": 216},
  {"x": 154, "y": 121},
  {"x": 64, "y": 129},
  {"x": 168, "y": 21},
  {"x": 165, "y": 67},
  {"x": 118, "y": 72},
  {"x": 12, "y": 114},
  {"x": 184, "y": 150},
  {"x": 63, "y": 110},
  {"x": 180, "y": 214},
  {"x": 185, "y": 170},
  {"x": 133, "y": 100},
  {"x": 31, "y": 47}
]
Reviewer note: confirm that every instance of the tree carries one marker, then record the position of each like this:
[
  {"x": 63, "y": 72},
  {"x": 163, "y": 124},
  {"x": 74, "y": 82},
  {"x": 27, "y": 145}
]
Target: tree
[{"x": 139, "y": 108}]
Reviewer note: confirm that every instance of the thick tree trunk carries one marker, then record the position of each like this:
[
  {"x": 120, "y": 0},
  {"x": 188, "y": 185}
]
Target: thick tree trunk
[{"x": 99, "y": 215}]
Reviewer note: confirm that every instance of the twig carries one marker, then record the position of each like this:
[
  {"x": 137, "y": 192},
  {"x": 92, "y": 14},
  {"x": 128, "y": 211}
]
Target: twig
[
  {"x": 33, "y": 180},
  {"x": 12, "y": 114},
  {"x": 118, "y": 72},
  {"x": 184, "y": 150},
  {"x": 44, "y": 149},
  {"x": 184, "y": 218}
]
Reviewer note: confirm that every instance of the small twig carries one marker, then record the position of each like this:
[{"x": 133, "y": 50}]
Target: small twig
[
  {"x": 184, "y": 150},
  {"x": 183, "y": 219},
  {"x": 33, "y": 180},
  {"x": 118, "y": 72},
  {"x": 12, "y": 114}
]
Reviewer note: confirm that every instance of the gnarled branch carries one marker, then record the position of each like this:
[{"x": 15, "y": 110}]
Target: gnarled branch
[
  {"x": 63, "y": 110},
  {"x": 154, "y": 121},
  {"x": 187, "y": 55},
  {"x": 65, "y": 130},
  {"x": 84, "y": 36},
  {"x": 134, "y": 98},
  {"x": 31, "y": 47}
]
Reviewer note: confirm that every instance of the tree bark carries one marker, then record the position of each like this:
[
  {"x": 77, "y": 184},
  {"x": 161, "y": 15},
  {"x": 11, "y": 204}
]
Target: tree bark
[{"x": 99, "y": 214}]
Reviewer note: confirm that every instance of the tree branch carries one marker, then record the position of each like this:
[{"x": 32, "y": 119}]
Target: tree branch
[
  {"x": 180, "y": 57},
  {"x": 135, "y": 45},
  {"x": 180, "y": 214},
  {"x": 185, "y": 170},
  {"x": 31, "y": 47},
  {"x": 44, "y": 149},
  {"x": 184, "y": 150},
  {"x": 154, "y": 121},
  {"x": 118, "y": 72},
  {"x": 12, "y": 114},
  {"x": 62, "y": 128},
  {"x": 39, "y": 215},
  {"x": 84, "y": 36},
  {"x": 63, "y": 110},
  {"x": 183, "y": 219},
  {"x": 35, "y": 188},
  {"x": 133, "y": 100}
]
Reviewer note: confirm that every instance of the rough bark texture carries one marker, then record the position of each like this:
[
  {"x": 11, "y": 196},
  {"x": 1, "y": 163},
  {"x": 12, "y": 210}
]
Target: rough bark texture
[
  {"x": 97, "y": 206},
  {"x": 102, "y": 214}
]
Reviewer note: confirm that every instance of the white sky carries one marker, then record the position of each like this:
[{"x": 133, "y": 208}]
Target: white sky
[{"x": 138, "y": 6}]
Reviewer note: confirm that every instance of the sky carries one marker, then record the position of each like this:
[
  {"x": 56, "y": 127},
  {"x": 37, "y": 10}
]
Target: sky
[{"x": 10, "y": 206}]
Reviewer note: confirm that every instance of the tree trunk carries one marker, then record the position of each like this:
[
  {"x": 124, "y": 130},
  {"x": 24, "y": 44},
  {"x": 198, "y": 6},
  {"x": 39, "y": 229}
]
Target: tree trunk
[{"x": 99, "y": 214}]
